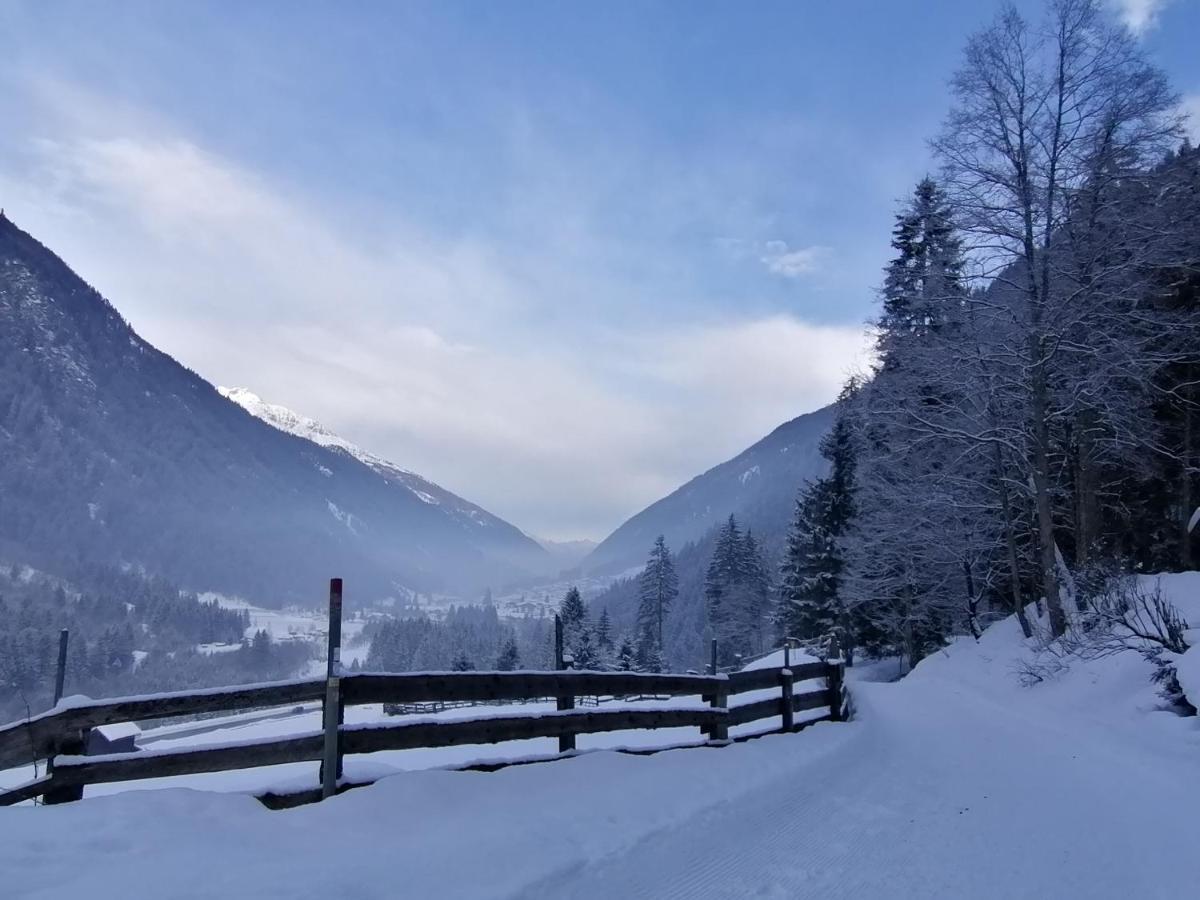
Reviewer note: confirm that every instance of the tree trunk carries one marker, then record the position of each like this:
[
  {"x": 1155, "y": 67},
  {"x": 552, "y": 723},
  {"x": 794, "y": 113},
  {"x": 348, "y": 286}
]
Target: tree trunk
[
  {"x": 972, "y": 601},
  {"x": 1010, "y": 541},
  {"x": 1187, "y": 496},
  {"x": 1041, "y": 487},
  {"x": 1087, "y": 515}
]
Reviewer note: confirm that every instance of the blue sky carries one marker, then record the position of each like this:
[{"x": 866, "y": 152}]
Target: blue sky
[{"x": 557, "y": 257}]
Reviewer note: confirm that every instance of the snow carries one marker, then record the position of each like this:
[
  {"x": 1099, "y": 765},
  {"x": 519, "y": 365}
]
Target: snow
[
  {"x": 774, "y": 660},
  {"x": 953, "y": 782},
  {"x": 119, "y": 730},
  {"x": 289, "y": 624},
  {"x": 1187, "y": 670},
  {"x": 342, "y": 516}
]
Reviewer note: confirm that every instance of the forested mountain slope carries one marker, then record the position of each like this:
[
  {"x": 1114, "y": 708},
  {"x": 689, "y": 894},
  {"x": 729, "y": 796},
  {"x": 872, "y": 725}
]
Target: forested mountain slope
[
  {"x": 111, "y": 451},
  {"x": 758, "y": 486}
]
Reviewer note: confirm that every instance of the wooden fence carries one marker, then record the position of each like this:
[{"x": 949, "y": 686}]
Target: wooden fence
[{"x": 59, "y": 736}]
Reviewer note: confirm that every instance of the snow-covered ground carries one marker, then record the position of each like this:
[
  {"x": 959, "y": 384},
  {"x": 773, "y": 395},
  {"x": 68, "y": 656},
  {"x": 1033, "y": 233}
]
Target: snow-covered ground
[
  {"x": 292, "y": 624},
  {"x": 955, "y": 782}
]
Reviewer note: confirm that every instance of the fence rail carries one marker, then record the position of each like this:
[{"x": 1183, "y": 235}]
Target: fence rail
[{"x": 60, "y": 735}]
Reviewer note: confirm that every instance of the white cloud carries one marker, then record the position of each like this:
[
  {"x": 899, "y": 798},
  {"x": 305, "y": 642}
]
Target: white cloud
[
  {"x": 1139, "y": 16},
  {"x": 780, "y": 260},
  {"x": 1190, "y": 107}
]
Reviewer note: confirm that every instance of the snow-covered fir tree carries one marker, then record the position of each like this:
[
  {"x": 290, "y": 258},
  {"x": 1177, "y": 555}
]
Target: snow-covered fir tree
[
  {"x": 626, "y": 656},
  {"x": 737, "y": 594},
  {"x": 510, "y": 657},
  {"x": 658, "y": 587}
]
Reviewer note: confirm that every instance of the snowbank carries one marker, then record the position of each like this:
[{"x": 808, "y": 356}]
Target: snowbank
[{"x": 421, "y": 834}]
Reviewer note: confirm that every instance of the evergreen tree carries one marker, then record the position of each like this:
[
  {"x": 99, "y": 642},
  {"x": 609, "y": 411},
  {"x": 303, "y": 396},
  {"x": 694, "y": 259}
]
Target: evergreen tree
[
  {"x": 462, "y": 663},
  {"x": 604, "y": 632},
  {"x": 573, "y": 614},
  {"x": 626, "y": 658},
  {"x": 647, "y": 657},
  {"x": 510, "y": 657},
  {"x": 720, "y": 584},
  {"x": 737, "y": 594},
  {"x": 811, "y": 604},
  {"x": 658, "y": 588},
  {"x": 755, "y": 608},
  {"x": 584, "y": 650},
  {"x": 925, "y": 279}
]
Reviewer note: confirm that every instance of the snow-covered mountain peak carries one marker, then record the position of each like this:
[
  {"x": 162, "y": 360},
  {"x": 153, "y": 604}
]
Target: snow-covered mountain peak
[
  {"x": 302, "y": 426},
  {"x": 427, "y": 492}
]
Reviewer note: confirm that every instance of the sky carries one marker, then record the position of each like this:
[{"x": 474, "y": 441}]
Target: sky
[{"x": 558, "y": 258}]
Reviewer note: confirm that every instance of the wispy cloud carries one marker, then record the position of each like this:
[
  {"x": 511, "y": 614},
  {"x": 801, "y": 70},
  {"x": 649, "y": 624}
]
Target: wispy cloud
[
  {"x": 780, "y": 260},
  {"x": 1139, "y": 16},
  {"x": 1190, "y": 107}
]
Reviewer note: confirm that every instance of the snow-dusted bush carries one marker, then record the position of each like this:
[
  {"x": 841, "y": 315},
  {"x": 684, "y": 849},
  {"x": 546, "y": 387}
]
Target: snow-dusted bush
[{"x": 1118, "y": 613}]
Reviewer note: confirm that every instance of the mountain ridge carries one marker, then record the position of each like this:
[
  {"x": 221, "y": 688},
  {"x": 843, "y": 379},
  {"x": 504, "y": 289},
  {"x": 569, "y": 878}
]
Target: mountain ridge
[{"x": 112, "y": 451}]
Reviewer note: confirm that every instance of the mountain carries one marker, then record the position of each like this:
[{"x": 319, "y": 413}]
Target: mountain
[
  {"x": 112, "y": 452},
  {"x": 473, "y": 519},
  {"x": 758, "y": 486},
  {"x": 567, "y": 554}
]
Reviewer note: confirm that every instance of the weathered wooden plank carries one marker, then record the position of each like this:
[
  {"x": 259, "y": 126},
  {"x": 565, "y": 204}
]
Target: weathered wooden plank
[
  {"x": 494, "y": 730},
  {"x": 811, "y": 700},
  {"x": 759, "y": 679},
  {"x": 771, "y": 706},
  {"x": 74, "y": 770},
  {"x": 750, "y": 712},
  {"x": 26, "y": 791},
  {"x": 453, "y": 686},
  {"x": 39, "y": 737}
]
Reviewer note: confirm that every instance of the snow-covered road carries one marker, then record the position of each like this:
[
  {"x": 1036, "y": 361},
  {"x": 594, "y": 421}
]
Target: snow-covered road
[{"x": 943, "y": 793}]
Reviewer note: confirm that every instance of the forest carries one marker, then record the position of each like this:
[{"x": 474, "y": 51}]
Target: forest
[
  {"x": 128, "y": 634},
  {"x": 1028, "y": 432}
]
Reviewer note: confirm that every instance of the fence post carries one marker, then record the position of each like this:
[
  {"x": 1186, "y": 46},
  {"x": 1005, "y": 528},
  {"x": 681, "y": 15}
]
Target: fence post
[
  {"x": 333, "y": 711},
  {"x": 789, "y": 715},
  {"x": 720, "y": 700},
  {"x": 60, "y": 673},
  {"x": 787, "y": 653},
  {"x": 60, "y": 679},
  {"x": 562, "y": 701},
  {"x": 835, "y": 679},
  {"x": 712, "y": 666},
  {"x": 74, "y": 744}
]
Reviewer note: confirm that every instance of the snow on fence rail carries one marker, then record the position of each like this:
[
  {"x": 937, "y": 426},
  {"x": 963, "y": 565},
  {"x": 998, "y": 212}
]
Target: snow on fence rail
[{"x": 60, "y": 735}]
